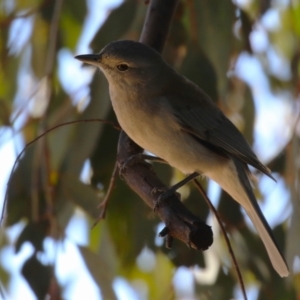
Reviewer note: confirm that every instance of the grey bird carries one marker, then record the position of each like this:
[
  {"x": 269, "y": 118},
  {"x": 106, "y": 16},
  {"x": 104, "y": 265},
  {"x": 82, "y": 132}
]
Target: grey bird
[{"x": 170, "y": 116}]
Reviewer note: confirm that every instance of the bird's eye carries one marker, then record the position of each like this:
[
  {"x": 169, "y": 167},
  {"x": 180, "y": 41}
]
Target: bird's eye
[{"x": 122, "y": 67}]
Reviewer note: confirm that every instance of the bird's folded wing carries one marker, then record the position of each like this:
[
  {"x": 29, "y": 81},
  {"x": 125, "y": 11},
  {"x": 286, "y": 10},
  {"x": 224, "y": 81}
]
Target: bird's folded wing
[{"x": 208, "y": 124}]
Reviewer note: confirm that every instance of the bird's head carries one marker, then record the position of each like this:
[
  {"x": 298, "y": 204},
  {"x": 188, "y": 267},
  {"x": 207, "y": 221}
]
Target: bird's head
[{"x": 128, "y": 61}]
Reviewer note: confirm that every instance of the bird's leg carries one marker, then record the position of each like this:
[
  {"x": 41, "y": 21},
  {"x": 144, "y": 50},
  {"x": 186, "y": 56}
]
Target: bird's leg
[{"x": 167, "y": 193}]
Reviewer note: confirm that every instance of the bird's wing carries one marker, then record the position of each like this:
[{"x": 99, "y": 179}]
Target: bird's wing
[{"x": 199, "y": 116}]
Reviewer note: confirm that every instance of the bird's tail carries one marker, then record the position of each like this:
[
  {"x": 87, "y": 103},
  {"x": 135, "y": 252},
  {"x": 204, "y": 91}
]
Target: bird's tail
[{"x": 238, "y": 186}]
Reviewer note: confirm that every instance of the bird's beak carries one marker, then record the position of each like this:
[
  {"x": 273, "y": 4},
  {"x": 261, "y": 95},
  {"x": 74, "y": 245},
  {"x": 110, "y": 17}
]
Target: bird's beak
[{"x": 92, "y": 59}]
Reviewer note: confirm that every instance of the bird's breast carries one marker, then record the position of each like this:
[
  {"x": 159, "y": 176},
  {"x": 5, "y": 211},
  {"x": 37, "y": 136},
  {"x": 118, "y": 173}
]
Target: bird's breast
[
  {"x": 147, "y": 122},
  {"x": 153, "y": 126}
]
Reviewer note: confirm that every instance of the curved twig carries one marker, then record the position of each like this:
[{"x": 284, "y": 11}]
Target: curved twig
[
  {"x": 230, "y": 250},
  {"x": 36, "y": 139},
  {"x": 104, "y": 203},
  {"x": 53, "y": 37}
]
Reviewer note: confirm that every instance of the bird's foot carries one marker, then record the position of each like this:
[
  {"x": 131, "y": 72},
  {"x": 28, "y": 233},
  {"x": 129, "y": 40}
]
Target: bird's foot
[
  {"x": 164, "y": 194},
  {"x": 132, "y": 160}
]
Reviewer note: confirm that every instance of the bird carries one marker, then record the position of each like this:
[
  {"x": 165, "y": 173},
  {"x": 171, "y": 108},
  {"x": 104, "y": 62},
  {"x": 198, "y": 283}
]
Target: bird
[{"x": 168, "y": 115}]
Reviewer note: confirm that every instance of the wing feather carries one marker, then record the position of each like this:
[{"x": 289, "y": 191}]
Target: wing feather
[{"x": 199, "y": 116}]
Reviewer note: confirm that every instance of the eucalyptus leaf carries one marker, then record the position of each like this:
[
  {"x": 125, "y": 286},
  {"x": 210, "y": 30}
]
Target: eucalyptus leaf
[
  {"x": 100, "y": 269},
  {"x": 37, "y": 275},
  {"x": 35, "y": 233},
  {"x": 85, "y": 134},
  {"x": 214, "y": 28},
  {"x": 116, "y": 25},
  {"x": 198, "y": 68},
  {"x": 39, "y": 43},
  {"x": 80, "y": 194}
]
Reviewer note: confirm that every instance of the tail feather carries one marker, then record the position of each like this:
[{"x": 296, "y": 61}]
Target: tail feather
[{"x": 260, "y": 222}]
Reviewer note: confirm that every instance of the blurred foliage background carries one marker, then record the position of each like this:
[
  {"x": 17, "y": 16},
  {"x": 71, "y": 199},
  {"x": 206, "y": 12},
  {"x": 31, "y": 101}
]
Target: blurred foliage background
[{"x": 57, "y": 185}]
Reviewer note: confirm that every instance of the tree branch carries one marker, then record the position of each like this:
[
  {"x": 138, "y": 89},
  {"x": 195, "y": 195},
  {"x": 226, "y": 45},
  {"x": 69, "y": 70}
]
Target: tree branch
[{"x": 180, "y": 222}]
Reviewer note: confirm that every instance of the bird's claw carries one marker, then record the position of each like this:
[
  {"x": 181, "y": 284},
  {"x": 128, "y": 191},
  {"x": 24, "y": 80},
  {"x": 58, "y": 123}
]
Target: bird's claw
[
  {"x": 132, "y": 160},
  {"x": 164, "y": 194}
]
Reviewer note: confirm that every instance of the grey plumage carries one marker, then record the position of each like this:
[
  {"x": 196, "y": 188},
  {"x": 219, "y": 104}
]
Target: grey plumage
[{"x": 170, "y": 116}]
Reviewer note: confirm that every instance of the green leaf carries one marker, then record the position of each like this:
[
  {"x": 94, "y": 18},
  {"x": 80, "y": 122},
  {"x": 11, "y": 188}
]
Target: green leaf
[
  {"x": 215, "y": 20},
  {"x": 78, "y": 11},
  {"x": 198, "y": 68},
  {"x": 130, "y": 223},
  {"x": 105, "y": 154},
  {"x": 158, "y": 279},
  {"x": 28, "y": 4},
  {"x": 40, "y": 43},
  {"x": 248, "y": 112},
  {"x": 5, "y": 278},
  {"x": 102, "y": 271},
  {"x": 85, "y": 134},
  {"x": 38, "y": 276},
  {"x": 70, "y": 30},
  {"x": 116, "y": 25},
  {"x": 35, "y": 233},
  {"x": 9, "y": 68},
  {"x": 19, "y": 190},
  {"x": 292, "y": 243},
  {"x": 80, "y": 194}
]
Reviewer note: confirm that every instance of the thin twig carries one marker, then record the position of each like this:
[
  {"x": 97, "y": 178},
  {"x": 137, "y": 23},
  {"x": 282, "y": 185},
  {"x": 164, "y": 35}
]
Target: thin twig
[
  {"x": 116, "y": 126},
  {"x": 53, "y": 37},
  {"x": 104, "y": 203},
  {"x": 230, "y": 250},
  {"x": 35, "y": 179},
  {"x": 46, "y": 181}
]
